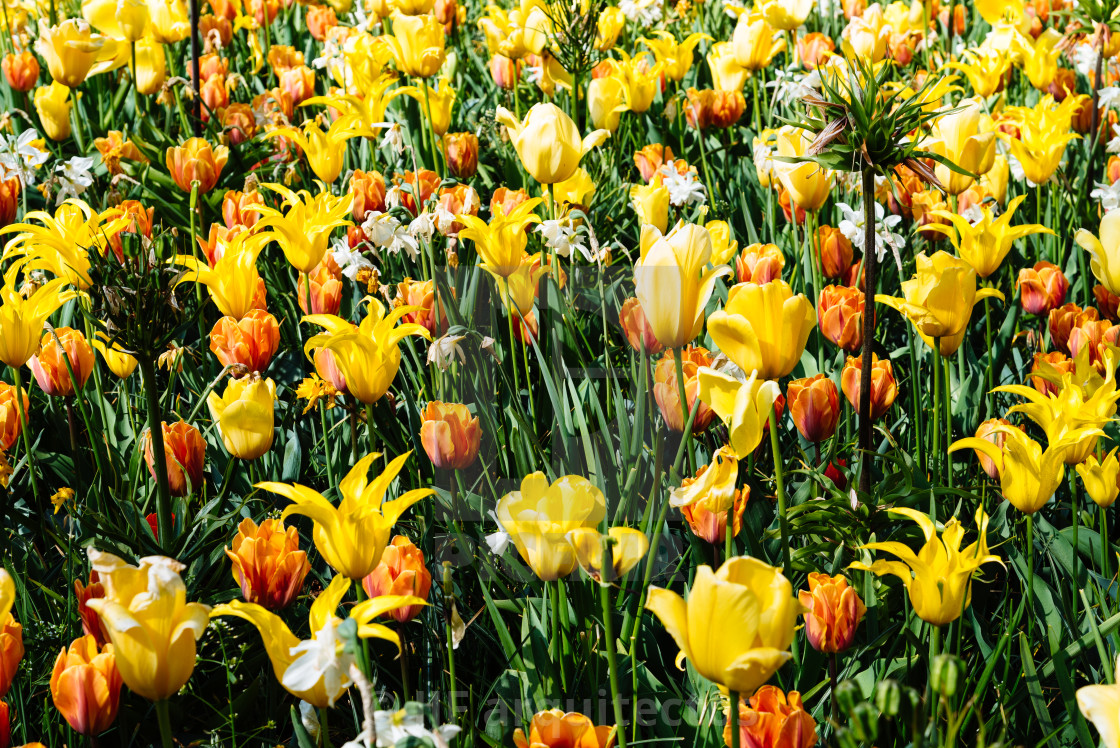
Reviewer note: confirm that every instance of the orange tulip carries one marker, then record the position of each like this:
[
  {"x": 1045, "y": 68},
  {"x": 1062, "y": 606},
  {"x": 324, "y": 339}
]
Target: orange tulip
[
  {"x": 835, "y": 251},
  {"x": 727, "y": 108},
  {"x": 504, "y": 71},
  {"x": 11, "y": 644},
  {"x": 450, "y": 435},
  {"x": 883, "y": 386},
  {"x": 421, "y": 294},
  {"x": 238, "y": 122},
  {"x": 709, "y": 525},
  {"x": 9, "y": 200},
  {"x": 400, "y": 572},
  {"x": 86, "y": 686},
  {"x": 840, "y": 316},
  {"x": 1107, "y": 302},
  {"x": 759, "y": 263},
  {"x": 461, "y": 150},
  {"x": 267, "y": 563},
  {"x": 416, "y": 190},
  {"x": 1097, "y": 336},
  {"x": 320, "y": 19},
  {"x": 506, "y": 200},
  {"x": 196, "y": 160},
  {"x": 1042, "y": 288},
  {"x": 299, "y": 83},
  {"x": 555, "y": 729},
  {"x": 814, "y": 404},
  {"x": 1054, "y": 364},
  {"x": 636, "y": 328},
  {"x": 250, "y": 342},
  {"x": 139, "y": 222},
  {"x": 186, "y": 456},
  {"x": 667, "y": 393},
  {"x": 10, "y": 426},
  {"x": 833, "y": 611},
  {"x": 772, "y": 719},
  {"x": 651, "y": 158},
  {"x": 326, "y": 288},
  {"x": 368, "y": 191},
  {"x": 5, "y": 725},
  {"x": 21, "y": 70},
  {"x": 49, "y": 365},
  {"x": 814, "y": 48},
  {"x": 1064, "y": 319},
  {"x": 91, "y": 622},
  {"x": 992, "y": 430},
  {"x": 239, "y": 208}
]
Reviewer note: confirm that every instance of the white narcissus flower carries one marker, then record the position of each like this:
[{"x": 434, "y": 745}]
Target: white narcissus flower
[
  {"x": 852, "y": 227},
  {"x": 684, "y": 189},
  {"x": 1108, "y": 195},
  {"x": 73, "y": 177},
  {"x": 393, "y": 138},
  {"x": 320, "y": 658},
  {"x": 443, "y": 350},
  {"x": 394, "y": 726},
  {"x": 560, "y": 237},
  {"x": 20, "y": 158},
  {"x": 350, "y": 261}
]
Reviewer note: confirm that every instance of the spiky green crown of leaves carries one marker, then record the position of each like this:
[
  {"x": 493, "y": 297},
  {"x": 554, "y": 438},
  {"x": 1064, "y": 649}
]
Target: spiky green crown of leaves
[{"x": 1091, "y": 12}]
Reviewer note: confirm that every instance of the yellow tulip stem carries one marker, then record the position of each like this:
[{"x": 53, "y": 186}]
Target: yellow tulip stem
[
  {"x": 326, "y": 444},
  {"x": 449, "y": 606},
  {"x": 934, "y": 650},
  {"x": 733, "y": 718},
  {"x": 512, "y": 347},
  {"x": 369, "y": 428},
  {"x": 354, "y": 432},
  {"x": 948, "y": 422},
  {"x": 678, "y": 362},
  {"x": 164, "y": 723},
  {"x": 712, "y": 194},
  {"x": 1030, "y": 572},
  {"x": 23, "y": 423},
  {"x": 159, "y": 456},
  {"x": 609, "y": 640},
  {"x": 779, "y": 482},
  {"x": 1073, "y": 535},
  {"x": 757, "y": 111},
  {"x": 135, "y": 88},
  {"x": 557, "y": 647},
  {"x": 935, "y": 453},
  {"x": 990, "y": 396},
  {"x": 437, "y": 156},
  {"x": 1103, "y": 512}
]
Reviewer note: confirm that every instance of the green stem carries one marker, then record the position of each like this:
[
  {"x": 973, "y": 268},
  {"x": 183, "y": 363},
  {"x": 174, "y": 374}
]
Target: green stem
[
  {"x": 989, "y": 396},
  {"x": 23, "y": 427},
  {"x": 935, "y": 469},
  {"x": 1104, "y": 546},
  {"x": 733, "y": 719},
  {"x": 448, "y": 604},
  {"x": 712, "y": 194},
  {"x": 948, "y": 423},
  {"x": 369, "y": 428},
  {"x": 1073, "y": 538},
  {"x": 159, "y": 457},
  {"x": 610, "y": 642},
  {"x": 783, "y": 521},
  {"x": 557, "y": 650},
  {"x": 1030, "y": 571},
  {"x": 682, "y": 395},
  {"x": 164, "y": 723},
  {"x": 326, "y": 445}
]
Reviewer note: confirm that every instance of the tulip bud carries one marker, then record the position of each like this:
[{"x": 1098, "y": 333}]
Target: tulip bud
[
  {"x": 151, "y": 72},
  {"x": 250, "y": 341},
  {"x": 1042, "y": 288},
  {"x": 11, "y": 651},
  {"x": 91, "y": 622},
  {"x": 707, "y": 515},
  {"x": 814, "y": 48},
  {"x": 506, "y": 200},
  {"x": 299, "y": 83},
  {"x": 9, "y": 200},
  {"x": 1107, "y": 302},
  {"x": 814, "y": 404},
  {"x": 21, "y": 70},
  {"x": 636, "y": 328},
  {"x": 759, "y": 264},
  {"x": 840, "y": 316},
  {"x": 450, "y": 435},
  {"x": 216, "y": 31},
  {"x": 773, "y": 719},
  {"x": 833, "y": 611},
  {"x": 416, "y": 190},
  {"x": 461, "y": 150},
  {"x": 53, "y": 105},
  {"x": 241, "y": 208},
  {"x": 196, "y": 160},
  {"x": 727, "y": 108},
  {"x": 883, "y": 386},
  {"x": 10, "y": 426},
  {"x": 1064, "y": 319},
  {"x": 460, "y": 200},
  {"x": 1050, "y": 367},
  {"x": 835, "y": 251},
  {"x": 86, "y": 686},
  {"x": 185, "y": 453},
  {"x": 698, "y": 108},
  {"x": 214, "y": 95},
  {"x": 787, "y": 208},
  {"x": 326, "y": 287},
  {"x": 504, "y": 72},
  {"x": 400, "y": 572},
  {"x": 447, "y": 13},
  {"x": 49, "y": 365},
  {"x": 245, "y": 414},
  {"x": 1113, "y": 169},
  {"x": 267, "y": 563},
  {"x": 421, "y": 294},
  {"x": 987, "y": 430},
  {"x": 650, "y": 158},
  {"x": 667, "y": 392},
  {"x": 320, "y": 19},
  {"x": 1098, "y": 335},
  {"x": 945, "y": 675}
]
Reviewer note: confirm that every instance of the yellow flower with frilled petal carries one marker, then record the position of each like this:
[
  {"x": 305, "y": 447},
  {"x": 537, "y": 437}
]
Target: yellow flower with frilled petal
[
  {"x": 501, "y": 243},
  {"x": 233, "y": 283},
  {"x": 1044, "y": 131},
  {"x": 21, "y": 319},
  {"x": 744, "y": 407},
  {"x": 1105, "y": 250},
  {"x": 1100, "y": 478},
  {"x": 324, "y": 148},
  {"x": 60, "y": 243},
  {"x": 436, "y": 106},
  {"x": 985, "y": 244},
  {"x": 303, "y": 231},
  {"x": 676, "y": 57}
]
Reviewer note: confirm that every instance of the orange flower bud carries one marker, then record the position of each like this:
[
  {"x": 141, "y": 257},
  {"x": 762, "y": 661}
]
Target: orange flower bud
[
  {"x": 299, "y": 83},
  {"x": 506, "y": 200},
  {"x": 86, "y": 686},
  {"x": 772, "y": 719},
  {"x": 555, "y": 729},
  {"x": 650, "y": 158},
  {"x": 854, "y": 8},
  {"x": 326, "y": 288},
  {"x": 212, "y": 65},
  {"x": 1064, "y": 319},
  {"x": 240, "y": 208},
  {"x": 698, "y": 108},
  {"x": 267, "y": 563},
  {"x": 11, "y": 651},
  {"x": 1097, "y": 335},
  {"x": 1054, "y": 364},
  {"x": 840, "y": 316},
  {"x": 814, "y": 404},
  {"x": 462, "y": 199},
  {"x": 450, "y": 435},
  {"x": 1042, "y": 288},
  {"x": 213, "y": 29},
  {"x": 833, "y": 612},
  {"x": 250, "y": 341},
  {"x": 787, "y": 209},
  {"x": 1107, "y": 302},
  {"x": 5, "y": 725},
  {"x": 923, "y": 203},
  {"x": 282, "y": 58},
  {"x": 320, "y": 19},
  {"x": 400, "y": 572},
  {"x": 416, "y": 192},
  {"x": 637, "y": 329},
  {"x": 9, "y": 200},
  {"x": 196, "y": 160},
  {"x": 421, "y": 294},
  {"x": 814, "y": 48},
  {"x": 91, "y": 622},
  {"x": 1113, "y": 170},
  {"x": 759, "y": 264},
  {"x": 835, "y": 251},
  {"x": 140, "y": 222},
  {"x": 327, "y": 369},
  {"x": 447, "y": 13},
  {"x": 526, "y": 328},
  {"x": 667, "y": 393},
  {"x": 727, "y": 108},
  {"x": 186, "y": 456},
  {"x": 368, "y": 190},
  {"x": 461, "y": 150},
  {"x": 884, "y": 389},
  {"x": 10, "y": 427},
  {"x": 238, "y": 122},
  {"x": 504, "y": 71},
  {"x": 21, "y": 70},
  {"x": 1064, "y": 83},
  {"x": 987, "y": 430},
  {"x": 709, "y": 525},
  {"x": 49, "y": 365}
]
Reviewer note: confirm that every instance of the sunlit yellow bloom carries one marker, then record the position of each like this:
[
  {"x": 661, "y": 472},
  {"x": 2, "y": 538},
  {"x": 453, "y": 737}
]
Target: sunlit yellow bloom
[
  {"x": 994, "y": 183},
  {"x": 418, "y": 44},
  {"x": 939, "y": 576},
  {"x": 756, "y": 612},
  {"x": 1039, "y": 57},
  {"x": 234, "y": 284},
  {"x": 353, "y": 535},
  {"x": 548, "y": 142},
  {"x": 808, "y": 183},
  {"x": 640, "y": 79},
  {"x": 151, "y": 66},
  {"x": 651, "y": 203},
  {"x": 501, "y": 243},
  {"x": 149, "y": 621},
  {"x": 60, "y": 243},
  {"x": 1004, "y": 14},
  {"x": 577, "y": 189},
  {"x": 724, "y": 246},
  {"x": 1100, "y": 478},
  {"x": 70, "y": 49},
  {"x": 785, "y": 15},
  {"x": 170, "y": 22},
  {"x": 53, "y": 105},
  {"x": 676, "y": 58},
  {"x": 324, "y": 148},
  {"x": 516, "y": 33},
  {"x": 727, "y": 73},
  {"x": 673, "y": 281},
  {"x": 961, "y": 138},
  {"x": 628, "y": 547},
  {"x": 717, "y": 484},
  {"x": 984, "y": 67},
  {"x": 304, "y": 230},
  {"x": 518, "y": 290},
  {"x": 316, "y": 670},
  {"x": 755, "y": 42},
  {"x": 436, "y": 107},
  {"x": 1101, "y": 706},
  {"x": 539, "y": 517},
  {"x": 610, "y": 24},
  {"x": 984, "y": 244},
  {"x": 1044, "y": 131},
  {"x": 369, "y": 354},
  {"x": 763, "y": 328},
  {"x": 120, "y": 19},
  {"x": 744, "y": 407},
  {"x": 938, "y": 300},
  {"x": 866, "y": 36},
  {"x": 1105, "y": 250},
  {"x": 21, "y": 319},
  {"x": 362, "y": 115},
  {"x": 606, "y": 101},
  {"x": 245, "y": 415},
  {"x": 120, "y": 363}
]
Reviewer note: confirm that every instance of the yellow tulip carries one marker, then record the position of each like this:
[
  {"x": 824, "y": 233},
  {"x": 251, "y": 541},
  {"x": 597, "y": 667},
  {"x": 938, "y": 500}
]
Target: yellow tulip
[
  {"x": 149, "y": 621},
  {"x": 640, "y": 80},
  {"x": 418, "y": 44},
  {"x": 1004, "y": 14},
  {"x": 436, "y": 105},
  {"x": 120, "y": 363},
  {"x": 675, "y": 58},
  {"x": 120, "y": 19},
  {"x": 785, "y": 15},
  {"x": 994, "y": 183},
  {"x": 606, "y": 101},
  {"x": 755, "y": 42},
  {"x": 756, "y": 612},
  {"x": 317, "y": 670},
  {"x": 170, "y": 22},
  {"x": 1100, "y": 478},
  {"x": 938, "y": 300},
  {"x": 577, "y": 189},
  {"x": 539, "y": 517},
  {"x": 717, "y": 485},
  {"x": 651, "y": 203},
  {"x": 53, "y": 105},
  {"x": 610, "y": 24},
  {"x": 938, "y": 577},
  {"x": 1105, "y": 251},
  {"x": 984, "y": 67},
  {"x": 673, "y": 281},
  {"x": 763, "y": 328},
  {"x": 60, "y": 243},
  {"x": 724, "y": 246},
  {"x": 808, "y": 183},
  {"x": 984, "y": 244},
  {"x": 70, "y": 49},
  {"x": 1101, "y": 706},
  {"x": 151, "y": 66},
  {"x": 245, "y": 416},
  {"x": 727, "y": 73},
  {"x": 518, "y": 290},
  {"x": 1039, "y": 56},
  {"x": 364, "y": 115},
  {"x": 304, "y": 230},
  {"x": 628, "y": 547},
  {"x": 959, "y": 138},
  {"x": 353, "y": 535},
  {"x": 324, "y": 149},
  {"x": 234, "y": 284},
  {"x": 1044, "y": 131},
  {"x": 516, "y": 33},
  {"x": 867, "y": 36},
  {"x": 744, "y": 407},
  {"x": 501, "y": 243},
  {"x": 21, "y": 319},
  {"x": 548, "y": 142},
  {"x": 369, "y": 354}
]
